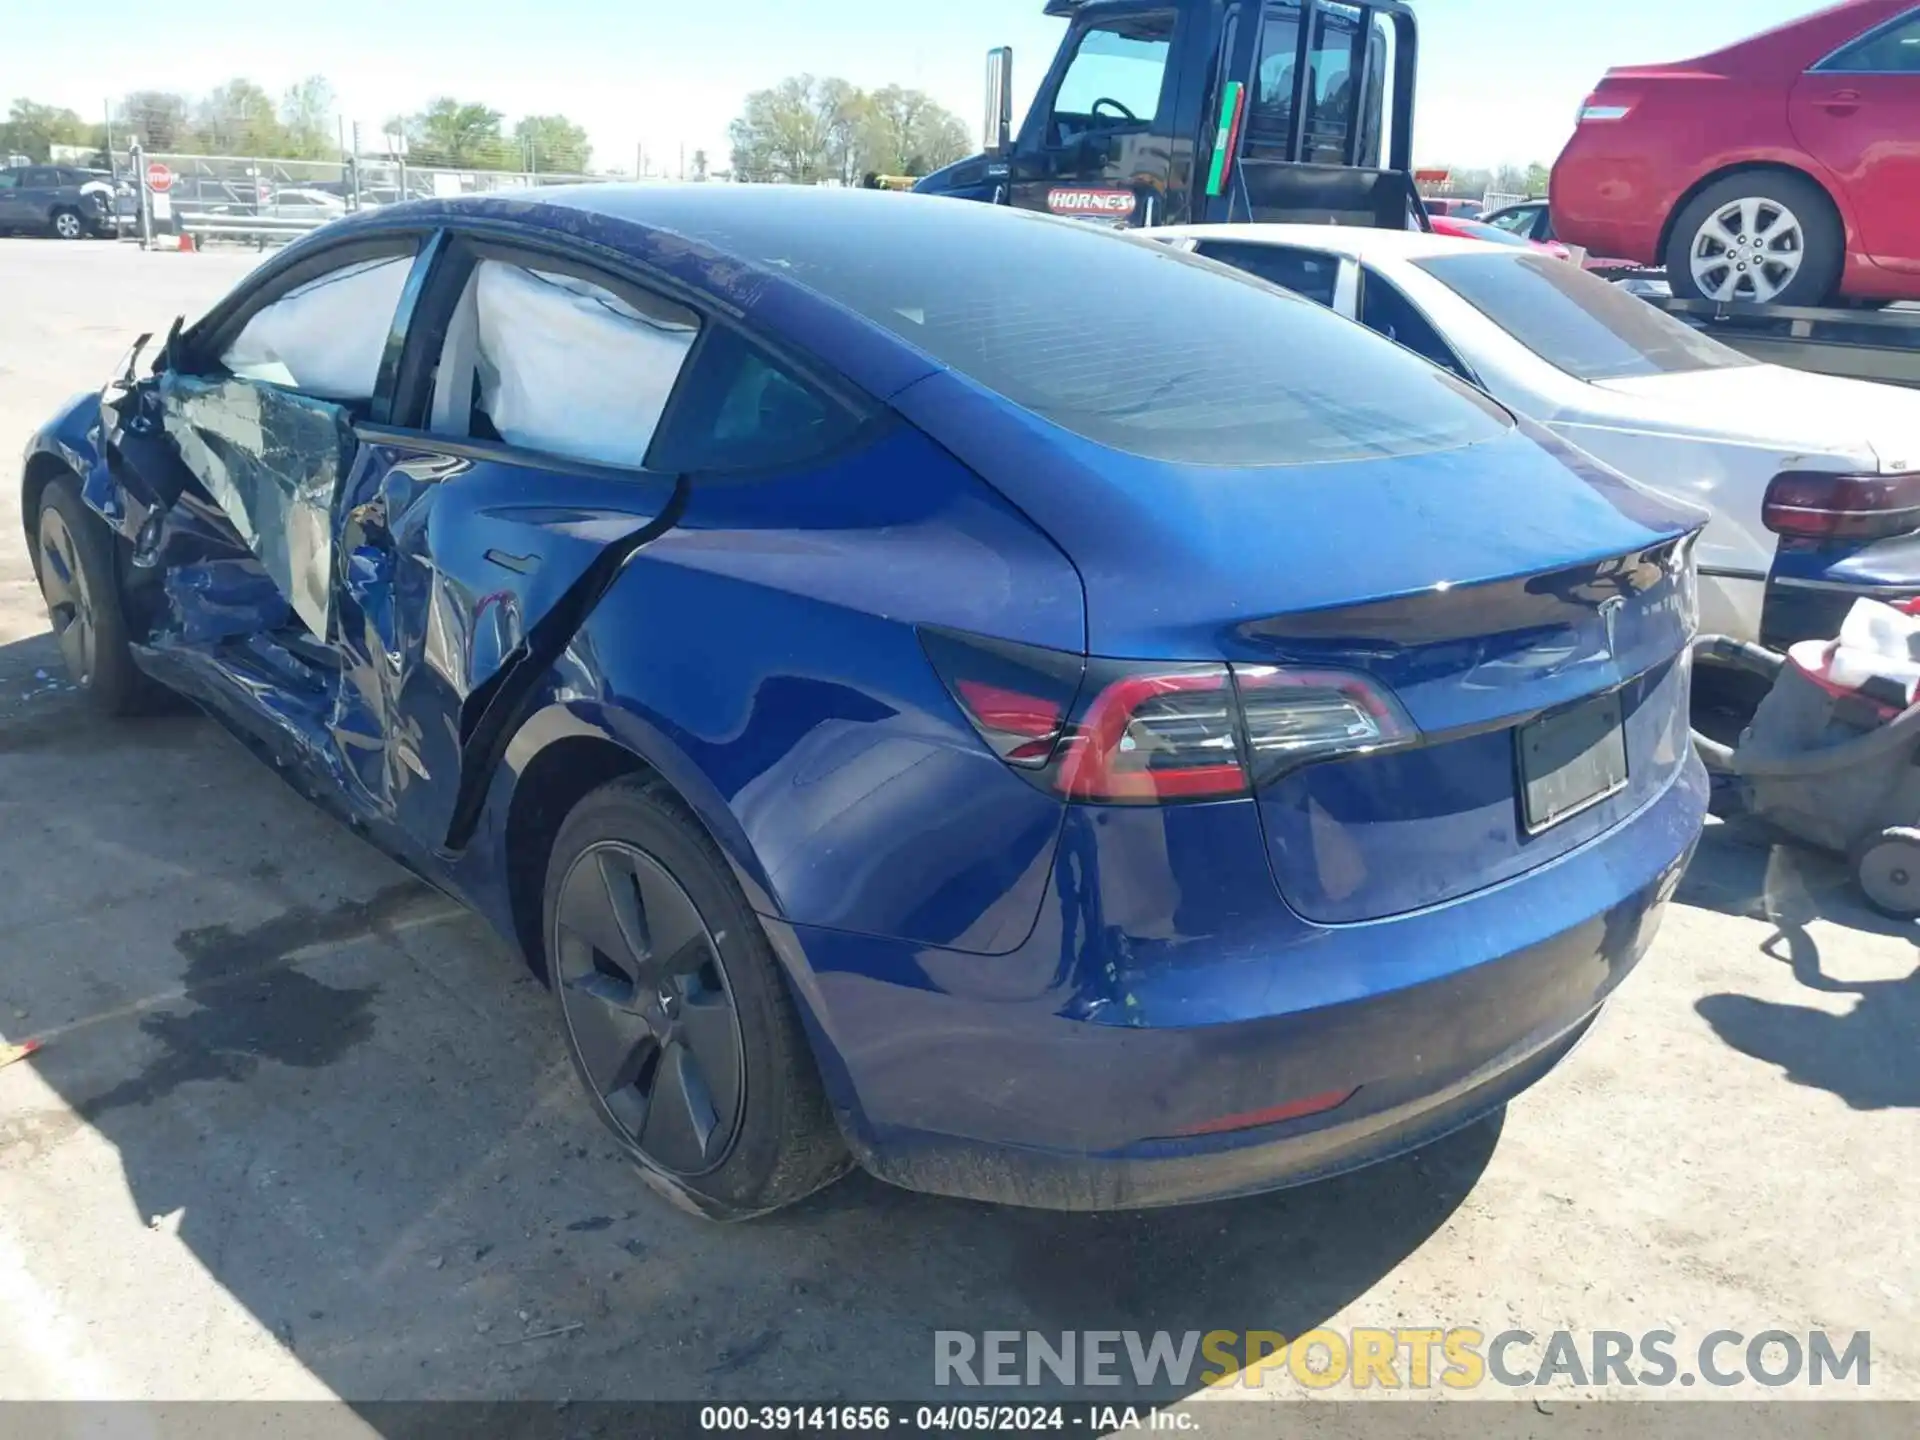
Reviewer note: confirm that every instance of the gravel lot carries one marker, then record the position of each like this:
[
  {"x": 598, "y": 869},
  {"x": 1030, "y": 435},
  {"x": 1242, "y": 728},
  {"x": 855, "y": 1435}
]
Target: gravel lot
[{"x": 301, "y": 1129}]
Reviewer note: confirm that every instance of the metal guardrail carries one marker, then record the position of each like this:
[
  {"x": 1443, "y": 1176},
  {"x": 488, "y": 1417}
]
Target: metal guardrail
[{"x": 261, "y": 229}]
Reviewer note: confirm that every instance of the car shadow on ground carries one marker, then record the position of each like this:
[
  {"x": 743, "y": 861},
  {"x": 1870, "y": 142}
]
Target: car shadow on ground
[
  {"x": 352, "y": 1107},
  {"x": 1869, "y": 1055}
]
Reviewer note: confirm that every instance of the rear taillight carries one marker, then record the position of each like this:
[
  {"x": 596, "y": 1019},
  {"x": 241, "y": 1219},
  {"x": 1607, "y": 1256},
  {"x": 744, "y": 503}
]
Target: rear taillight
[
  {"x": 1136, "y": 732},
  {"x": 1016, "y": 696},
  {"x": 1151, "y": 733},
  {"x": 1296, "y": 715},
  {"x": 1599, "y": 107},
  {"x": 1815, "y": 505}
]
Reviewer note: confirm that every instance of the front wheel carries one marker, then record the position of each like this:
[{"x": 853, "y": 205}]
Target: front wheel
[
  {"x": 675, "y": 1010},
  {"x": 67, "y": 225},
  {"x": 81, "y": 586},
  {"x": 1762, "y": 237}
]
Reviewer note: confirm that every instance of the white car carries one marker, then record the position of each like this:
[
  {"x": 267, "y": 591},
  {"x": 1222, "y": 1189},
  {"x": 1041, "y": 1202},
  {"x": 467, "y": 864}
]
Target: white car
[
  {"x": 1654, "y": 398},
  {"x": 292, "y": 203}
]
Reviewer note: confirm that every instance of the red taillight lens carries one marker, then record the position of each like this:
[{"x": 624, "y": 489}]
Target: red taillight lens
[
  {"x": 1134, "y": 732},
  {"x": 1028, "y": 723},
  {"x": 1820, "y": 506},
  {"x": 1016, "y": 696},
  {"x": 1161, "y": 734}
]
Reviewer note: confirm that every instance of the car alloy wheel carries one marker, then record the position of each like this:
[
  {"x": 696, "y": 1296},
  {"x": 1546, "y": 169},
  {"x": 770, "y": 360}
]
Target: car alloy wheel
[
  {"x": 1747, "y": 249},
  {"x": 67, "y": 225},
  {"x": 63, "y": 581},
  {"x": 648, "y": 1007}
]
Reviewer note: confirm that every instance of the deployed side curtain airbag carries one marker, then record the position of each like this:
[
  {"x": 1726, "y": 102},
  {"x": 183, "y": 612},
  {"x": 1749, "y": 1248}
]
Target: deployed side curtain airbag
[
  {"x": 326, "y": 337},
  {"x": 567, "y": 367}
]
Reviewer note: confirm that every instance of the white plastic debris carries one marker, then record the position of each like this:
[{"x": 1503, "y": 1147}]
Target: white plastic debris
[{"x": 1877, "y": 640}]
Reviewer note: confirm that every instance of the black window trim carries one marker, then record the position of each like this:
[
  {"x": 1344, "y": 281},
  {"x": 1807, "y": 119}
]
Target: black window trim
[
  {"x": 1459, "y": 368},
  {"x": 1825, "y": 66},
  {"x": 445, "y": 282}
]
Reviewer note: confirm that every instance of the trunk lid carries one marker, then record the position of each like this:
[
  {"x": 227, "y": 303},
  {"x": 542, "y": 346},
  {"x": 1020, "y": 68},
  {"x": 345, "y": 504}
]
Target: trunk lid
[{"x": 1483, "y": 586}]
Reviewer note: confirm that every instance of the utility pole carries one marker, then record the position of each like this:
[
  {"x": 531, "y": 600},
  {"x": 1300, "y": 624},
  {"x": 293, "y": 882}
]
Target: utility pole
[
  {"x": 683, "y": 160},
  {"x": 639, "y": 161}
]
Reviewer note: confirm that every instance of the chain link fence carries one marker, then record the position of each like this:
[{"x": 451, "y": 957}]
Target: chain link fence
[{"x": 240, "y": 187}]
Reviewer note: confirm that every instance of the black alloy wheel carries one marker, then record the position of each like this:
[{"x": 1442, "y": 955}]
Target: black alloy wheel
[
  {"x": 75, "y": 554},
  {"x": 649, "y": 1009},
  {"x": 63, "y": 583}
]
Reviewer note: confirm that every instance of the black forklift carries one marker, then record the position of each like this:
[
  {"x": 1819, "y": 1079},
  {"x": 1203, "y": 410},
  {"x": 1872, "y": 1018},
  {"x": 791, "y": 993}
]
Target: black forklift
[{"x": 1167, "y": 112}]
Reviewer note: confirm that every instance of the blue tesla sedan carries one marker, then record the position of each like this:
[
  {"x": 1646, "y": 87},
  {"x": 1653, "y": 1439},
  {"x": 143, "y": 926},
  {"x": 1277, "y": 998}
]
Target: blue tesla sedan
[{"x": 930, "y": 686}]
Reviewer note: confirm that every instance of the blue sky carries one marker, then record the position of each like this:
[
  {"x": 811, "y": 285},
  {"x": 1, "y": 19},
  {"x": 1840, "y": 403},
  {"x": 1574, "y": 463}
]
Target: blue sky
[{"x": 1500, "y": 79}]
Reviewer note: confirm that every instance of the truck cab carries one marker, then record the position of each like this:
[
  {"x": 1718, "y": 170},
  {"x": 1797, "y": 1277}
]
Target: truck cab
[{"x": 1161, "y": 112}]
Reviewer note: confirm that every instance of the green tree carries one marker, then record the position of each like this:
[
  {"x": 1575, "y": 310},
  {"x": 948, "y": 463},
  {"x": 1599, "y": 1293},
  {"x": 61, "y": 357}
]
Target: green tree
[
  {"x": 31, "y": 128},
  {"x": 904, "y": 132},
  {"x": 699, "y": 165},
  {"x": 239, "y": 118},
  {"x": 158, "y": 119},
  {"x": 799, "y": 132},
  {"x": 459, "y": 133},
  {"x": 307, "y": 120},
  {"x": 553, "y": 142}
]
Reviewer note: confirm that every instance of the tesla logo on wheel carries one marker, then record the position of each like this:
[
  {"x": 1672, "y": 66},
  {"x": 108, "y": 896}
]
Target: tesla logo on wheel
[{"x": 1090, "y": 202}]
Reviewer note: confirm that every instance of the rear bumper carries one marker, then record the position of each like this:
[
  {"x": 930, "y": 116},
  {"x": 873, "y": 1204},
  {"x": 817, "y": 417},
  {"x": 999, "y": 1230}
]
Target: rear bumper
[
  {"x": 1606, "y": 197},
  {"x": 1431, "y": 1019},
  {"x": 1812, "y": 587}
]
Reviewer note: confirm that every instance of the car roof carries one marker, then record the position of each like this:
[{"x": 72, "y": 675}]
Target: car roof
[{"x": 1350, "y": 240}]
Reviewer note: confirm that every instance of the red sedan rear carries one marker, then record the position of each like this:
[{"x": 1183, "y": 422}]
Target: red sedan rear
[{"x": 1784, "y": 169}]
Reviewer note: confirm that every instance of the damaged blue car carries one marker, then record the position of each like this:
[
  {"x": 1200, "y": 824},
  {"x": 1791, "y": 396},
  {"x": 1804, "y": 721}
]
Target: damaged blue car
[{"x": 1043, "y": 717}]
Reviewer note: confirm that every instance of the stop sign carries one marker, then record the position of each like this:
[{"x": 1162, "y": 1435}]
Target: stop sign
[{"x": 159, "y": 178}]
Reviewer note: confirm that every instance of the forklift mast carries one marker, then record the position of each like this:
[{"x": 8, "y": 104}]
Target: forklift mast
[{"x": 1209, "y": 111}]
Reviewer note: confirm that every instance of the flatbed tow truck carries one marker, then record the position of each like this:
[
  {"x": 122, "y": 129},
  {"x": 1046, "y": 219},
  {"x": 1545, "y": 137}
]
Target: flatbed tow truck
[
  {"x": 1161, "y": 112},
  {"x": 1879, "y": 345},
  {"x": 1185, "y": 112}
]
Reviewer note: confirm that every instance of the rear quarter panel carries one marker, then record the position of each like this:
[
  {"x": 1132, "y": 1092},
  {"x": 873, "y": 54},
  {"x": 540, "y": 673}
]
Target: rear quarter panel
[
  {"x": 1618, "y": 184},
  {"x": 763, "y": 657}
]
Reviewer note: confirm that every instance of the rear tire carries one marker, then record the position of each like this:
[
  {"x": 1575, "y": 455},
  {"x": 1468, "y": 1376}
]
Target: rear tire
[
  {"x": 675, "y": 1010},
  {"x": 1761, "y": 237},
  {"x": 66, "y": 224},
  {"x": 80, "y": 582}
]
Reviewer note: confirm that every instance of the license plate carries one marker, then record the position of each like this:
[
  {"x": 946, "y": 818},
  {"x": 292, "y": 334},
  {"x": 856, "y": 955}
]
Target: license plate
[{"x": 1571, "y": 760}]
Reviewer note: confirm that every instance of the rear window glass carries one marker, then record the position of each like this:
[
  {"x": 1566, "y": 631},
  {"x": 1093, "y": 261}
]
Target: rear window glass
[
  {"x": 1576, "y": 323},
  {"x": 1122, "y": 341}
]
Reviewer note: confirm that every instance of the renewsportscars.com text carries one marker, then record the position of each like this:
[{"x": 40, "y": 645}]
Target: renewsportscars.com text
[{"x": 1405, "y": 1358}]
